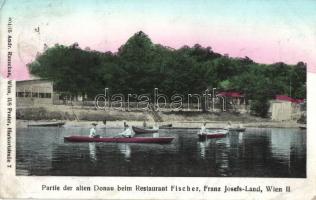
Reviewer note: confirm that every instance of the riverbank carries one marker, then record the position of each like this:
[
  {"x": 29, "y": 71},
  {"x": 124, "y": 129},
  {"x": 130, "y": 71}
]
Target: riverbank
[{"x": 83, "y": 117}]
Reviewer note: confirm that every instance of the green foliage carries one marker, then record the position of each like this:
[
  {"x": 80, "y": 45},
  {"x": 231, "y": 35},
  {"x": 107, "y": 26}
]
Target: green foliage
[
  {"x": 140, "y": 66},
  {"x": 260, "y": 106}
]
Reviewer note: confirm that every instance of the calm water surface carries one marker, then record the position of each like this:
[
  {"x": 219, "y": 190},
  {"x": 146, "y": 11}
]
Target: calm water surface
[{"x": 255, "y": 153}]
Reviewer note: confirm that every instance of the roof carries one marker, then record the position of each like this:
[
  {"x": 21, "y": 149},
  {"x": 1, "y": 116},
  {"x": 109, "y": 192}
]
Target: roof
[
  {"x": 230, "y": 94},
  {"x": 289, "y": 99},
  {"x": 33, "y": 80}
]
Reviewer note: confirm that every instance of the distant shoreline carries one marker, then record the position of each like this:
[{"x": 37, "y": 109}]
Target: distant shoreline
[
  {"x": 176, "y": 124},
  {"x": 83, "y": 116}
]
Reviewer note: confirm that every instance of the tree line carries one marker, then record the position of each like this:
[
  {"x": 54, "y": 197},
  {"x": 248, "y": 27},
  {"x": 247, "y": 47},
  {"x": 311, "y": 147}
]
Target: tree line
[{"x": 140, "y": 66}]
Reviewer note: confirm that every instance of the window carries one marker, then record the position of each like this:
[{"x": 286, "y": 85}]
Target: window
[
  {"x": 41, "y": 95},
  {"x": 20, "y": 94},
  {"x": 27, "y": 94},
  {"x": 45, "y": 95},
  {"x": 48, "y": 95}
]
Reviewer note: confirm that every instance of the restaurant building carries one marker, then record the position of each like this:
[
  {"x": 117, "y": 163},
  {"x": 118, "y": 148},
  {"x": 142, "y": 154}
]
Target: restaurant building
[{"x": 34, "y": 92}]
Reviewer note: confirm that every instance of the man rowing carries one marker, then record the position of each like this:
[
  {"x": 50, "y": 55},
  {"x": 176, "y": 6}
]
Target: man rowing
[
  {"x": 127, "y": 132},
  {"x": 155, "y": 126},
  {"x": 202, "y": 132},
  {"x": 203, "y": 128}
]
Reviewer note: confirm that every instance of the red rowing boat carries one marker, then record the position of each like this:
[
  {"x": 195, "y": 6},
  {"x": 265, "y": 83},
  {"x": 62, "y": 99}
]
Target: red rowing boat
[
  {"x": 142, "y": 130},
  {"x": 216, "y": 135},
  {"x": 219, "y": 133},
  {"x": 159, "y": 140}
]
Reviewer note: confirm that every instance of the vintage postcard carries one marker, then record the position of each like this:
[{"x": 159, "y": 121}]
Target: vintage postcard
[{"x": 157, "y": 99}]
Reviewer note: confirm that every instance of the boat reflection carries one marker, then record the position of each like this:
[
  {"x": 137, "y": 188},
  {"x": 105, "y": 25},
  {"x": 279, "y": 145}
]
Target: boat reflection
[
  {"x": 240, "y": 137},
  {"x": 125, "y": 149},
  {"x": 92, "y": 151},
  {"x": 202, "y": 146},
  {"x": 222, "y": 156},
  {"x": 218, "y": 151}
]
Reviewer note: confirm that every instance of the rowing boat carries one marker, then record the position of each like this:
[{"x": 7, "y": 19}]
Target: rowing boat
[
  {"x": 237, "y": 129},
  {"x": 48, "y": 124},
  {"x": 143, "y": 130},
  {"x": 219, "y": 133},
  {"x": 303, "y": 127},
  {"x": 166, "y": 126},
  {"x": 159, "y": 140},
  {"x": 216, "y": 134}
]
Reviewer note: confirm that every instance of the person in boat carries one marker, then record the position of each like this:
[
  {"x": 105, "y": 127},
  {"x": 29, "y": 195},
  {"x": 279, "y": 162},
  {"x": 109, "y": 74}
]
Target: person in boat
[
  {"x": 93, "y": 131},
  {"x": 104, "y": 122},
  {"x": 144, "y": 124},
  {"x": 125, "y": 126},
  {"x": 228, "y": 126},
  {"x": 202, "y": 132},
  {"x": 127, "y": 133},
  {"x": 155, "y": 126},
  {"x": 203, "y": 128}
]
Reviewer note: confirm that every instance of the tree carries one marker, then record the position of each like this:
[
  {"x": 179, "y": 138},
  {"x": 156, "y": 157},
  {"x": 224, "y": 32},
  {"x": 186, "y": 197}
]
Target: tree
[{"x": 139, "y": 66}]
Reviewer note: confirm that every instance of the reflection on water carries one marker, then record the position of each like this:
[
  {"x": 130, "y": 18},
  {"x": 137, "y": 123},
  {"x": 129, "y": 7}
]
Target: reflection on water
[
  {"x": 255, "y": 153},
  {"x": 92, "y": 151},
  {"x": 240, "y": 135},
  {"x": 125, "y": 149},
  {"x": 203, "y": 145}
]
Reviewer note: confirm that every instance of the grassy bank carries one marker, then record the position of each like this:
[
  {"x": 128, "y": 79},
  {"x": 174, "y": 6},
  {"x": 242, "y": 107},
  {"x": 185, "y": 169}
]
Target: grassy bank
[{"x": 68, "y": 113}]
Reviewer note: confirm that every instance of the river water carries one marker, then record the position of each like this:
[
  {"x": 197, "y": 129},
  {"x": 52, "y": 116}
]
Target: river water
[{"x": 257, "y": 152}]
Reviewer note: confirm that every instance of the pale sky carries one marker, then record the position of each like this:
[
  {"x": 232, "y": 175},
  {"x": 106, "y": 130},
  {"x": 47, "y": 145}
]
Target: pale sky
[{"x": 264, "y": 30}]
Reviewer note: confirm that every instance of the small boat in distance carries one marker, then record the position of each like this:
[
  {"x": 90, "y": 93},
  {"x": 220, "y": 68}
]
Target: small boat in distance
[
  {"x": 166, "y": 126},
  {"x": 303, "y": 127},
  {"x": 218, "y": 133},
  {"x": 47, "y": 124},
  {"x": 138, "y": 130},
  {"x": 159, "y": 140},
  {"x": 237, "y": 129}
]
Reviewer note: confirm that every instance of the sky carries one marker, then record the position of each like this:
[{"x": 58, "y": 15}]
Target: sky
[{"x": 266, "y": 31}]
